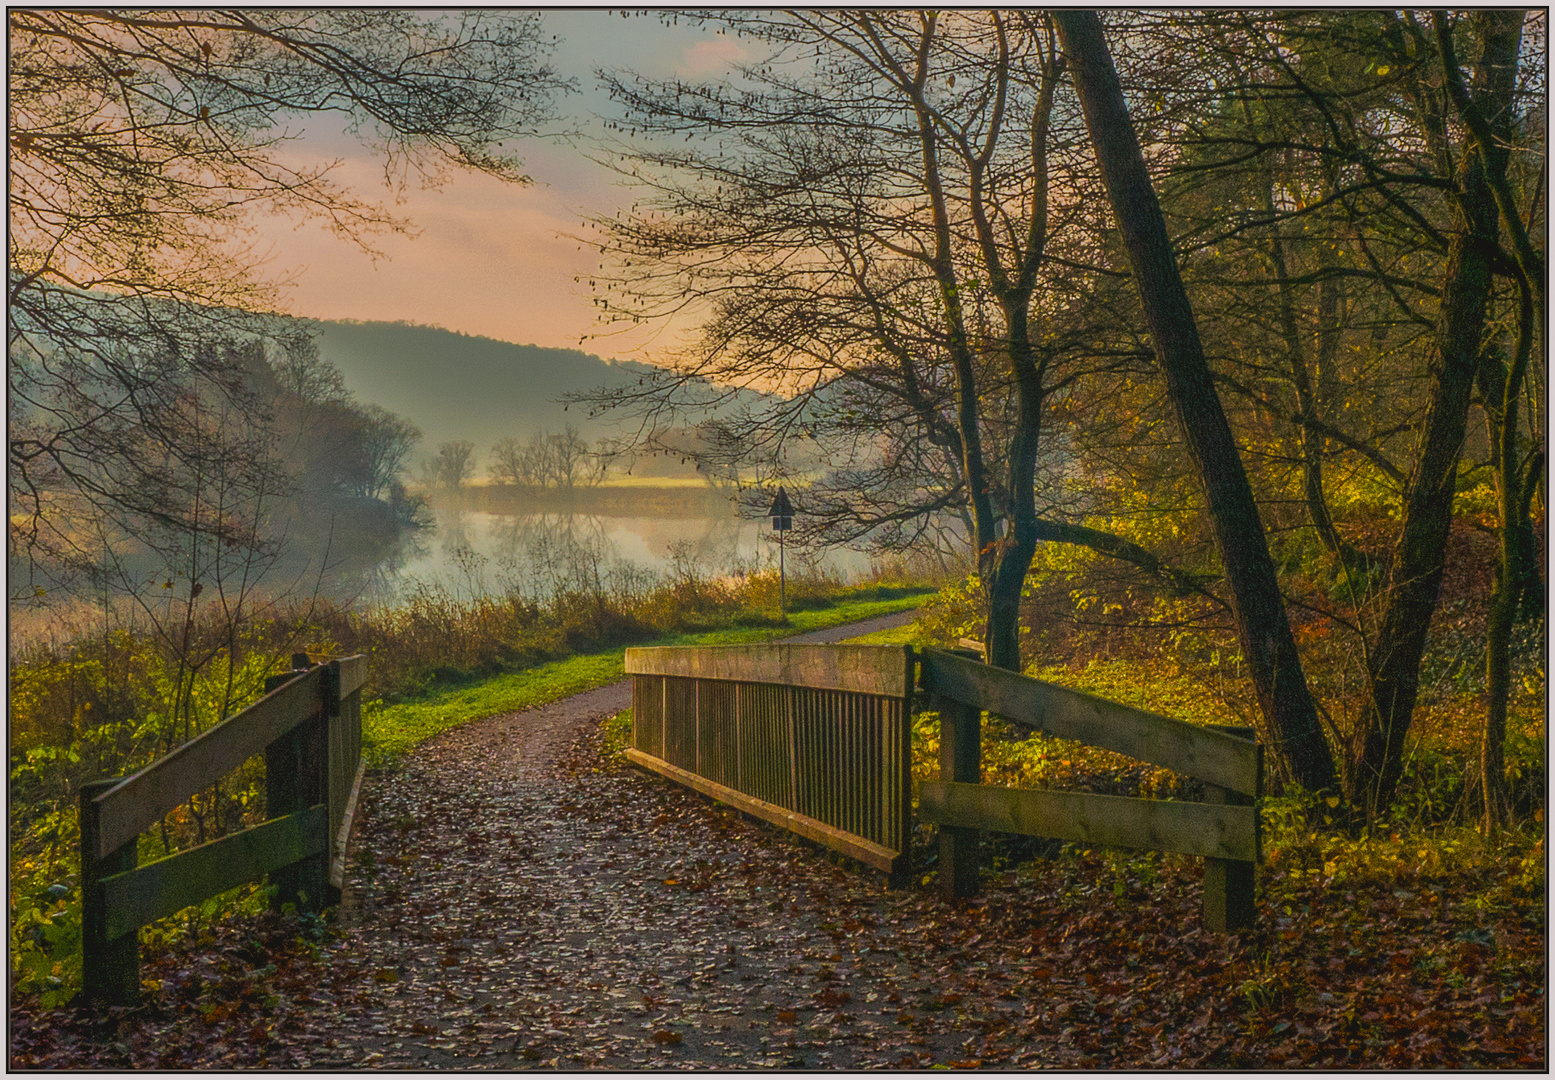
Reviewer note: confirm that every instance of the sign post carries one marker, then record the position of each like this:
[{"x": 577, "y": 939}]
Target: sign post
[{"x": 782, "y": 514}]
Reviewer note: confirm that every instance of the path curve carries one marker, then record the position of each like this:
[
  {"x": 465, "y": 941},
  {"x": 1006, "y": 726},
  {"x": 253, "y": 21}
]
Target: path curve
[{"x": 517, "y": 905}]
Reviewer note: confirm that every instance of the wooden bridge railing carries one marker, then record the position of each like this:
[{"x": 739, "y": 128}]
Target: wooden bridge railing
[
  {"x": 309, "y": 727},
  {"x": 817, "y": 739},
  {"x": 1224, "y": 828}
]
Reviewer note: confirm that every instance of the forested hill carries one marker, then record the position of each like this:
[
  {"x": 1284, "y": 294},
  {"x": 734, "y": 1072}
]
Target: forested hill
[{"x": 454, "y": 386}]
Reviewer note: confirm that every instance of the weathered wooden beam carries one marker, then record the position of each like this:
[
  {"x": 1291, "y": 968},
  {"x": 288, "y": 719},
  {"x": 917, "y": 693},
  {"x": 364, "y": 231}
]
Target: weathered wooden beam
[
  {"x": 353, "y": 674},
  {"x": 865, "y": 851},
  {"x": 1216, "y": 831},
  {"x": 169, "y": 885},
  {"x": 141, "y": 800},
  {"x": 110, "y": 962},
  {"x": 1229, "y": 900},
  {"x": 1213, "y": 756},
  {"x": 337, "y": 864},
  {"x": 296, "y": 778},
  {"x": 884, "y": 670}
]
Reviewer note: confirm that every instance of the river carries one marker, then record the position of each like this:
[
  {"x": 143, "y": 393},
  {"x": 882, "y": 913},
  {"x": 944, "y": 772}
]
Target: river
[{"x": 471, "y": 552}]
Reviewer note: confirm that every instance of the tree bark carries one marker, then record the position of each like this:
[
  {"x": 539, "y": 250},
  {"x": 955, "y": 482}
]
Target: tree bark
[
  {"x": 1262, "y": 625},
  {"x": 1500, "y": 386},
  {"x": 1415, "y": 578}
]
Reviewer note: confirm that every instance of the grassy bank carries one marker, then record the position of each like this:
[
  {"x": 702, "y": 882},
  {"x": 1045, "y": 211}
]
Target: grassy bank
[
  {"x": 390, "y": 731},
  {"x": 109, "y": 701}
]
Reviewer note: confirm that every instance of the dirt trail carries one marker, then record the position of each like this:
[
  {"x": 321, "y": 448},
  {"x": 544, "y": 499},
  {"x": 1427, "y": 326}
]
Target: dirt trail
[
  {"x": 521, "y": 900},
  {"x": 514, "y": 907},
  {"x": 529, "y": 739}
]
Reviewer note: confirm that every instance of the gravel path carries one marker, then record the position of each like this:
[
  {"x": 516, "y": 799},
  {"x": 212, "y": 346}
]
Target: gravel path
[{"x": 518, "y": 902}]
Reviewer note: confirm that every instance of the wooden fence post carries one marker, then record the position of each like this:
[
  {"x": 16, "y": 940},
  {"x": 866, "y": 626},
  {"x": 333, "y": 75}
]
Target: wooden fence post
[
  {"x": 335, "y": 775},
  {"x": 1228, "y": 883},
  {"x": 960, "y": 761},
  {"x": 110, "y": 969},
  {"x": 297, "y": 777}
]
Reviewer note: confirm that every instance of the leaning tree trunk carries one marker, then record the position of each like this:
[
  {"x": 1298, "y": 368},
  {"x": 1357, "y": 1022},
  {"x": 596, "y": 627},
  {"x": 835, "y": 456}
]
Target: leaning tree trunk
[
  {"x": 1415, "y": 576},
  {"x": 1262, "y": 626}
]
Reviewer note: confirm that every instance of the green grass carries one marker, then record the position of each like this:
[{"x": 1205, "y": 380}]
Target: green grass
[
  {"x": 901, "y": 635},
  {"x": 389, "y": 732}
]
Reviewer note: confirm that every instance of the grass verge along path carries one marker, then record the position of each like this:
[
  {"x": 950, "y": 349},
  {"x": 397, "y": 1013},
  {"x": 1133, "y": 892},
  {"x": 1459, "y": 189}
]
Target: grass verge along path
[{"x": 391, "y": 731}]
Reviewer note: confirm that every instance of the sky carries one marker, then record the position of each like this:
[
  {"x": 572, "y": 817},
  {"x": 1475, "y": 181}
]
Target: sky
[{"x": 490, "y": 258}]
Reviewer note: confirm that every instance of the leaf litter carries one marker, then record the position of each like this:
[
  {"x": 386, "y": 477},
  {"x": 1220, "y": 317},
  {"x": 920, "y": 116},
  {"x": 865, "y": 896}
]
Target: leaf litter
[{"x": 520, "y": 899}]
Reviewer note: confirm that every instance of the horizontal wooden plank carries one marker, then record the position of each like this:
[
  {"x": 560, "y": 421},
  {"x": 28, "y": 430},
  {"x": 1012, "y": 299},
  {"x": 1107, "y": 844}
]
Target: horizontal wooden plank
[
  {"x": 353, "y": 674},
  {"x": 884, "y": 670},
  {"x": 155, "y": 891},
  {"x": 1213, "y": 756},
  {"x": 1216, "y": 831},
  {"x": 337, "y": 863},
  {"x": 865, "y": 851},
  {"x": 142, "y": 799}
]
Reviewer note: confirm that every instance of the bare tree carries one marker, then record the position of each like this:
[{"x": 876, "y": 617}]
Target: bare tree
[
  {"x": 140, "y": 142},
  {"x": 453, "y": 464},
  {"x": 569, "y": 455},
  {"x": 388, "y": 441},
  {"x": 864, "y": 222}
]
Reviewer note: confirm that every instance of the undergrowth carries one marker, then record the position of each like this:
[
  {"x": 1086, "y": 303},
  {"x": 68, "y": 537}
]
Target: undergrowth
[{"x": 109, "y": 702}]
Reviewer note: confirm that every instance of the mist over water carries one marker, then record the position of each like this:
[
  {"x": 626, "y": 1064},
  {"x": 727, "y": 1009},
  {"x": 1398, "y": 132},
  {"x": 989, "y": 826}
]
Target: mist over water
[
  {"x": 463, "y": 553},
  {"x": 472, "y": 553}
]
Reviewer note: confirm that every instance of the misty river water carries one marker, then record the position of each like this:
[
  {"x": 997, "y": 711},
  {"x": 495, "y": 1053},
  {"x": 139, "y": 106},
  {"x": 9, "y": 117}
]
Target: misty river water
[{"x": 472, "y": 553}]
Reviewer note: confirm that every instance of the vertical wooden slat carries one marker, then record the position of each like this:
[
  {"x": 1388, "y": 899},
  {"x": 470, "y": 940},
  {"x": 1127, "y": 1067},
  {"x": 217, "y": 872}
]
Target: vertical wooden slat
[
  {"x": 873, "y": 757},
  {"x": 837, "y": 755},
  {"x": 817, "y": 758},
  {"x": 790, "y": 723},
  {"x": 850, "y": 763},
  {"x": 845, "y": 786},
  {"x": 804, "y": 759}
]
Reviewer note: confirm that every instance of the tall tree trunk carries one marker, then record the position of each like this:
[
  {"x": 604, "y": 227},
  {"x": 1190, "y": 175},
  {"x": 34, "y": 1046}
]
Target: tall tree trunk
[
  {"x": 1500, "y": 387},
  {"x": 1262, "y": 625},
  {"x": 1415, "y": 577},
  {"x": 1014, "y": 293}
]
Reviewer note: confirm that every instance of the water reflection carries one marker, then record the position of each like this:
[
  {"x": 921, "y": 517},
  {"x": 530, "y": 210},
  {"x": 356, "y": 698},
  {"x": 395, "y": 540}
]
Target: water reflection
[{"x": 472, "y": 553}]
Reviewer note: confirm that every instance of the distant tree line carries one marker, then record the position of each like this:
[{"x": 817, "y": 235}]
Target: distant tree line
[
  {"x": 140, "y": 142},
  {"x": 559, "y": 460}
]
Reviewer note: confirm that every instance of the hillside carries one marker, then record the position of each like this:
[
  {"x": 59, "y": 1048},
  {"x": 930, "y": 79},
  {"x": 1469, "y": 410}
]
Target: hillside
[{"x": 454, "y": 386}]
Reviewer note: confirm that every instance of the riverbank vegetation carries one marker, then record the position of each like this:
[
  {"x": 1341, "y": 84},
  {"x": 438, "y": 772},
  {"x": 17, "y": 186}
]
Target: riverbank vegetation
[{"x": 109, "y": 701}]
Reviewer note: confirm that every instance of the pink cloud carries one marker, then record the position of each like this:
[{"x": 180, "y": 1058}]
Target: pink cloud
[{"x": 710, "y": 56}]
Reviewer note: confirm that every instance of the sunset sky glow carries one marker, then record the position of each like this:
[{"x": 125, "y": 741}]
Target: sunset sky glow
[{"x": 489, "y": 258}]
